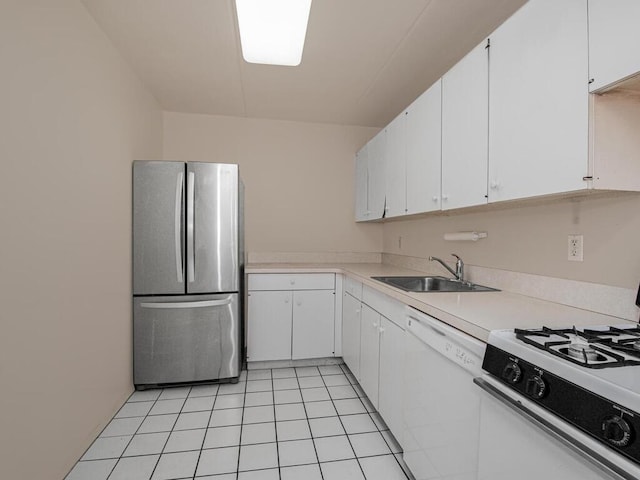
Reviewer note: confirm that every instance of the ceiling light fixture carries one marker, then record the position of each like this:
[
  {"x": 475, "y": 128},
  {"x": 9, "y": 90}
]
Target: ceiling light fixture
[{"x": 273, "y": 31}]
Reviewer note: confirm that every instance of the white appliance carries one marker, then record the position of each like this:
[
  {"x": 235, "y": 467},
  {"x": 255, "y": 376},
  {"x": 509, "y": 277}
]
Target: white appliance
[
  {"x": 561, "y": 404},
  {"x": 441, "y": 405},
  {"x": 454, "y": 430}
]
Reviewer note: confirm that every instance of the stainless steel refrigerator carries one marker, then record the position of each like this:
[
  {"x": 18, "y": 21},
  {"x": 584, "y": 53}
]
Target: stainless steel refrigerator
[{"x": 187, "y": 272}]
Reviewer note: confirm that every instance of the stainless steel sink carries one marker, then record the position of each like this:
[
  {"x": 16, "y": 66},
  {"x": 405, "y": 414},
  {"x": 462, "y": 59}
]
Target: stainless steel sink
[{"x": 432, "y": 284}]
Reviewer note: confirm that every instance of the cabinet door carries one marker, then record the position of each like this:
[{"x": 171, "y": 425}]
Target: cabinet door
[
  {"x": 376, "y": 173},
  {"x": 269, "y": 326},
  {"x": 391, "y": 372},
  {"x": 396, "y": 167},
  {"x": 465, "y": 120},
  {"x": 369, "y": 353},
  {"x": 351, "y": 308},
  {"x": 614, "y": 37},
  {"x": 424, "y": 142},
  {"x": 538, "y": 101},
  {"x": 313, "y": 323},
  {"x": 361, "y": 184}
]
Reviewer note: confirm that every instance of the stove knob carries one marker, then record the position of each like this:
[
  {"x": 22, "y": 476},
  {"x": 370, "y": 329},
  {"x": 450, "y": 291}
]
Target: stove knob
[
  {"x": 616, "y": 431},
  {"x": 535, "y": 387},
  {"x": 512, "y": 372}
]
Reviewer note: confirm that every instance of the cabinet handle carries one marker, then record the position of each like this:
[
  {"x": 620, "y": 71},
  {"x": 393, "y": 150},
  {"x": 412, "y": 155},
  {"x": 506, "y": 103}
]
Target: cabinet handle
[
  {"x": 286, "y": 300},
  {"x": 381, "y": 330},
  {"x": 495, "y": 185},
  {"x": 374, "y": 325},
  {"x": 299, "y": 302},
  {"x": 445, "y": 198},
  {"x": 434, "y": 198}
]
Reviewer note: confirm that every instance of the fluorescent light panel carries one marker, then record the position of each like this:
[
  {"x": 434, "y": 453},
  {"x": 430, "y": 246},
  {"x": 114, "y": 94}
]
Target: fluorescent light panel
[{"x": 273, "y": 31}]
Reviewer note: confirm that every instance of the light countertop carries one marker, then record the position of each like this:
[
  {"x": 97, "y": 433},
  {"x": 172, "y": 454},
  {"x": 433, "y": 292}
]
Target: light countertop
[{"x": 476, "y": 313}]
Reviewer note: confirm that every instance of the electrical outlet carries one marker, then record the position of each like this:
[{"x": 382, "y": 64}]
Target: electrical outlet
[{"x": 575, "y": 252}]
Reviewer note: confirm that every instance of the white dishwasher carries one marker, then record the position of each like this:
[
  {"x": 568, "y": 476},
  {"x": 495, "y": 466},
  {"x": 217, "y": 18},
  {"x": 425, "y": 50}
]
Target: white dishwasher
[{"x": 441, "y": 404}]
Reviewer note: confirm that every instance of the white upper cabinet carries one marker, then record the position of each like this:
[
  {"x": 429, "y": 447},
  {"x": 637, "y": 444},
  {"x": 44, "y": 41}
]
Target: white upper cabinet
[
  {"x": 465, "y": 118},
  {"x": 538, "y": 101},
  {"x": 362, "y": 178},
  {"x": 413, "y": 156},
  {"x": 514, "y": 118},
  {"x": 376, "y": 176},
  {"x": 423, "y": 147},
  {"x": 395, "y": 160},
  {"x": 370, "y": 179},
  {"x": 614, "y": 40}
]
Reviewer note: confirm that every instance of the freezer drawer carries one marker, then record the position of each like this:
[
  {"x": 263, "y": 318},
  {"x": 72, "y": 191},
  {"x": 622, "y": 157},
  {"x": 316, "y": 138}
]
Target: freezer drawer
[{"x": 185, "y": 339}]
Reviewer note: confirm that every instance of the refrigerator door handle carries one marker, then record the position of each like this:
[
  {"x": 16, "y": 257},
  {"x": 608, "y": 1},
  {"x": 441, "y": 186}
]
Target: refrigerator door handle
[
  {"x": 201, "y": 304},
  {"x": 177, "y": 230},
  {"x": 191, "y": 254}
]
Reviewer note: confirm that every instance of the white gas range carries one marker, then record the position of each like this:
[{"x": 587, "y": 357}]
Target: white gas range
[{"x": 581, "y": 385}]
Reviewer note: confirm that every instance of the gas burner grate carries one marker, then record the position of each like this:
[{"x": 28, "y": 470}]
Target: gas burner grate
[{"x": 609, "y": 348}]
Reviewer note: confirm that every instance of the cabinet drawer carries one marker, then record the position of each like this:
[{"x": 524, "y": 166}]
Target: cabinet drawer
[
  {"x": 353, "y": 288},
  {"x": 296, "y": 281},
  {"x": 384, "y": 305}
]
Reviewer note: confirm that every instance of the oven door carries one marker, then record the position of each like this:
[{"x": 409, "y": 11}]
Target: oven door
[{"x": 518, "y": 439}]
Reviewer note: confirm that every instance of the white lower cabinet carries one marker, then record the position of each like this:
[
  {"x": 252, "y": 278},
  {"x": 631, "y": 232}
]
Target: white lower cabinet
[
  {"x": 380, "y": 346},
  {"x": 390, "y": 376},
  {"x": 269, "y": 329},
  {"x": 313, "y": 320},
  {"x": 351, "y": 313},
  {"x": 290, "y": 324},
  {"x": 370, "y": 353}
]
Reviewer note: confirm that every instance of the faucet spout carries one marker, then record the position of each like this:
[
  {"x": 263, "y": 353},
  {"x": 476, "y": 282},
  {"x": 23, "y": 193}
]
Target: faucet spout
[{"x": 458, "y": 274}]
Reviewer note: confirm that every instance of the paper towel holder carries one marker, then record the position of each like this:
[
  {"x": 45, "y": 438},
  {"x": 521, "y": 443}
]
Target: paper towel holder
[{"x": 464, "y": 236}]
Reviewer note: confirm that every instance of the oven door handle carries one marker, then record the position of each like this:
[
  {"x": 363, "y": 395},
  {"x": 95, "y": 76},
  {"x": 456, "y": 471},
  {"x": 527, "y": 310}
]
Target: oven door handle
[{"x": 585, "y": 451}]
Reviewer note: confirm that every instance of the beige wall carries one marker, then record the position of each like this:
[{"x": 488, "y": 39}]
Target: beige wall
[
  {"x": 298, "y": 176},
  {"x": 73, "y": 117},
  {"x": 533, "y": 239}
]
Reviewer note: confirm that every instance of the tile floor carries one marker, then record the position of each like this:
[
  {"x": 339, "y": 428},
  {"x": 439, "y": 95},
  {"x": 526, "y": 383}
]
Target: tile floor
[{"x": 308, "y": 423}]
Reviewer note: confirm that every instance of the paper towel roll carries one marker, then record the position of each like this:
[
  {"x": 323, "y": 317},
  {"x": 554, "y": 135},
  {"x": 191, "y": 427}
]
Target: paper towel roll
[{"x": 464, "y": 236}]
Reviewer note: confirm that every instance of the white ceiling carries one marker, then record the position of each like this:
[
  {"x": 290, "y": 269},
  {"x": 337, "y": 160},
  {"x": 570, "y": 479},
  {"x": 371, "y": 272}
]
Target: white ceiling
[{"x": 364, "y": 60}]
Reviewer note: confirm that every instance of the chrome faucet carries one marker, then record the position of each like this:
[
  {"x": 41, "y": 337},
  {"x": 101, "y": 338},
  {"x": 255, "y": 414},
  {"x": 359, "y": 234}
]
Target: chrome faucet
[{"x": 459, "y": 272}]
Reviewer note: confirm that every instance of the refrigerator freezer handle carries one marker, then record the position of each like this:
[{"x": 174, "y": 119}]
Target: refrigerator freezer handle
[
  {"x": 191, "y": 254},
  {"x": 177, "y": 227},
  {"x": 200, "y": 304}
]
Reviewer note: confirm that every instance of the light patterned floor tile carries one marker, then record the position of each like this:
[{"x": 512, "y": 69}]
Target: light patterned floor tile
[
  {"x": 229, "y": 432},
  {"x": 176, "y": 465},
  {"x": 342, "y": 470}
]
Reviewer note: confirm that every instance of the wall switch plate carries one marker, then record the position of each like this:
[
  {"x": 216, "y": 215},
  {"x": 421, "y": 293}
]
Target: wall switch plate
[{"x": 575, "y": 252}]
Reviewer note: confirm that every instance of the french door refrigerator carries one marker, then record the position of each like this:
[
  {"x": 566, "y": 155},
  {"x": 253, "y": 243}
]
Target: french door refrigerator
[{"x": 187, "y": 272}]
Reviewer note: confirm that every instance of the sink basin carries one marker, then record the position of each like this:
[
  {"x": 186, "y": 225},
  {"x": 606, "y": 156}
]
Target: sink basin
[{"x": 432, "y": 284}]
